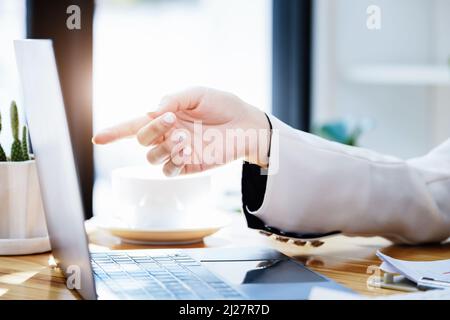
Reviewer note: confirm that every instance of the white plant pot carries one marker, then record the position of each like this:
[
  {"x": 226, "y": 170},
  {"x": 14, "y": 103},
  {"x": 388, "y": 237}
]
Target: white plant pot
[{"x": 23, "y": 228}]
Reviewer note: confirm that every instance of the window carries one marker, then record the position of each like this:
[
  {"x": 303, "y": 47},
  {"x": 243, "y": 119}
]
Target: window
[
  {"x": 12, "y": 26},
  {"x": 146, "y": 49},
  {"x": 397, "y": 77}
]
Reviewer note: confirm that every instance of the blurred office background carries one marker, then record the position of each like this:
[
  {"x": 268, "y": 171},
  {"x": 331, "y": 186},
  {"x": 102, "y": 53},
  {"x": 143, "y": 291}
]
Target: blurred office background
[
  {"x": 309, "y": 62},
  {"x": 144, "y": 50}
]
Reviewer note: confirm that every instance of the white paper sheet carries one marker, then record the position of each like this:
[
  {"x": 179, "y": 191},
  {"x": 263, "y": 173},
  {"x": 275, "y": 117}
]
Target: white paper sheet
[{"x": 415, "y": 271}]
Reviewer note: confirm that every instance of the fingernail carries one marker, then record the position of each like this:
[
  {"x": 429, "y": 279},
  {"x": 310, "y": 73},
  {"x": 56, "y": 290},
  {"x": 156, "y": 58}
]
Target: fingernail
[
  {"x": 187, "y": 151},
  {"x": 169, "y": 118},
  {"x": 174, "y": 173}
]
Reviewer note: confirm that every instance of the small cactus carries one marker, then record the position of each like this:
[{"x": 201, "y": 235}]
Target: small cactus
[
  {"x": 16, "y": 148},
  {"x": 25, "y": 155},
  {"x": 2, "y": 152},
  {"x": 19, "y": 149},
  {"x": 16, "y": 151},
  {"x": 14, "y": 120},
  {"x": 2, "y": 155}
]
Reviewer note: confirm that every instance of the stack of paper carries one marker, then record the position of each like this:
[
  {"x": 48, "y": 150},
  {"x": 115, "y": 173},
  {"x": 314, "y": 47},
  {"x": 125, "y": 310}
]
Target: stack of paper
[
  {"x": 416, "y": 271},
  {"x": 430, "y": 273}
]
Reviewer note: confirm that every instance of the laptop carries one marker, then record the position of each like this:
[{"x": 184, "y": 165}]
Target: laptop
[{"x": 188, "y": 274}]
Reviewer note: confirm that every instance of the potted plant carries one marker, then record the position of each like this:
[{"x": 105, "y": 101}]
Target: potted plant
[
  {"x": 22, "y": 221},
  {"x": 344, "y": 131}
]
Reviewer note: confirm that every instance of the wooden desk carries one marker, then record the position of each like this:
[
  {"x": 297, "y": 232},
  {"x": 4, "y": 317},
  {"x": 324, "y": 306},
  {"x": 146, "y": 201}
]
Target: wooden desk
[{"x": 345, "y": 260}]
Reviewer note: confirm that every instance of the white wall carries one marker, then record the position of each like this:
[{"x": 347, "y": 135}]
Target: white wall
[
  {"x": 12, "y": 26},
  {"x": 405, "y": 116},
  {"x": 441, "y": 95}
]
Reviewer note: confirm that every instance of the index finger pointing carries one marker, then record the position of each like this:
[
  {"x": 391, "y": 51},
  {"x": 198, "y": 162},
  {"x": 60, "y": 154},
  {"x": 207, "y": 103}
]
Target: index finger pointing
[
  {"x": 125, "y": 130},
  {"x": 156, "y": 129}
]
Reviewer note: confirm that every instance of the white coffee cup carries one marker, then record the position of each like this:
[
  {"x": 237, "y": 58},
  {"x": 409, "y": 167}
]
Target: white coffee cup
[{"x": 145, "y": 199}]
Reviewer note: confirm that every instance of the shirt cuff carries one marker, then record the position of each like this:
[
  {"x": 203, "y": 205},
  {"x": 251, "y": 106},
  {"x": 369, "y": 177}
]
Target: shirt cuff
[
  {"x": 253, "y": 191},
  {"x": 254, "y": 185}
]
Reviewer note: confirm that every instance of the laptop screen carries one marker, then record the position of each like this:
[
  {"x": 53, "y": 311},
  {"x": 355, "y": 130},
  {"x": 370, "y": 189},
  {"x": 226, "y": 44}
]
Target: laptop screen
[{"x": 45, "y": 113}]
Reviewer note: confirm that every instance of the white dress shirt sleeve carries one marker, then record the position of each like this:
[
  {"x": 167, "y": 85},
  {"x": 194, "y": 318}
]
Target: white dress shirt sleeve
[{"x": 318, "y": 186}]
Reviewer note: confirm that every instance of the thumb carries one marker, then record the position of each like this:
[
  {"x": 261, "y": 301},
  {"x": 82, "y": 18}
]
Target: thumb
[{"x": 187, "y": 99}]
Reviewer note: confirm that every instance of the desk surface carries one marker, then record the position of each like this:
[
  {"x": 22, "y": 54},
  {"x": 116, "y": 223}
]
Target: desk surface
[{"x": 345, "y": 260}]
